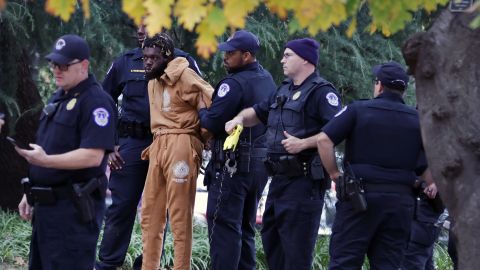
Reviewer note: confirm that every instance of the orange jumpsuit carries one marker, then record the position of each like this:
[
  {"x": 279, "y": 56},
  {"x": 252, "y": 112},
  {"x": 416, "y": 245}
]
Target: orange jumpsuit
[{"x": 175, "y": 156}]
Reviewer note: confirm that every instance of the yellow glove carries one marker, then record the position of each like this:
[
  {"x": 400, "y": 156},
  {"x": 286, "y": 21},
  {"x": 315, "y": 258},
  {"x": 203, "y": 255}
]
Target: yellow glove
[{"x": 232, "y": 140}]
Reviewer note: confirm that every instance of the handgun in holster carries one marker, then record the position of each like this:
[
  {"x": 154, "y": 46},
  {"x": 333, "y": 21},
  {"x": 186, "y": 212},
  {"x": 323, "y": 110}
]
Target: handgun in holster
[
  {"x": 84, "y": 197},
  {"x": 351, "y": 189},
  {"x": 355, "y": 192}
]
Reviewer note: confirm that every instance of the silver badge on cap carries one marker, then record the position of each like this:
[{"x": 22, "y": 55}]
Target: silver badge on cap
[{"x": 60, "y": 44}]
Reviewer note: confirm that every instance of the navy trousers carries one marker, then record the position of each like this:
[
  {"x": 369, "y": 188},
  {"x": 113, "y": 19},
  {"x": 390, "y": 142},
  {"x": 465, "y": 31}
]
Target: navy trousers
[
  {"x": 381, "y": 232},
  {"x": 60, "y": 240},
  {"x": 231, "y": 215},
  {"x": 291, "y": 221},
  {"x": 423, "y": 235},
  {"x": 126, "y": 186}
]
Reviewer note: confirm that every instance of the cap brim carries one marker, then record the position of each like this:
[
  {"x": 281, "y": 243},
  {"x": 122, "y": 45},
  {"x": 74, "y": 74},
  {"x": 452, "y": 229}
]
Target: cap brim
[
  {"x": 226, "y": 47},
  {"x": 58, "y": 58}
]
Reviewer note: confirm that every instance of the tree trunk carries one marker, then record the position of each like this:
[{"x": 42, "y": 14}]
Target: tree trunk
[
  {"x": 445, "y": 61},
  {"x": 12, "y": 166}
]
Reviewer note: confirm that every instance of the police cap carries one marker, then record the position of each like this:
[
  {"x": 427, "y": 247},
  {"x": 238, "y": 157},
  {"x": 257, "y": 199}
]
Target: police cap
[
  {"x": 392, "y": 75},
  {"x": 68, "y": 48},
  {"x": 241, "y": 40}
]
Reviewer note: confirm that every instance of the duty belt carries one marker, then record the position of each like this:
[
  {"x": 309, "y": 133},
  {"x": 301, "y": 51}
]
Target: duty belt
[
  {"x": 388, "y": 188},
  {"x": 288, "y": 165},
  {"x": 134, "y": 129}
]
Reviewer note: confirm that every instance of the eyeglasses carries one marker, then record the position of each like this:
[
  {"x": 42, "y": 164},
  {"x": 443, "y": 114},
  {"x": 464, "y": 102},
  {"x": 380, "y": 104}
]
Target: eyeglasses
[
  {"x": 375, "y": 81},
  {"x": 62, "y": 67}
]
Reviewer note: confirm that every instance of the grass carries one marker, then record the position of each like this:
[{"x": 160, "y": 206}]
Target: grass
[{"x": 15, "y": 241}]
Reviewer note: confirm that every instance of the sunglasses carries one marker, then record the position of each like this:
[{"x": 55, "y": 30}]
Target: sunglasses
[{"x": 62, "y": 67}]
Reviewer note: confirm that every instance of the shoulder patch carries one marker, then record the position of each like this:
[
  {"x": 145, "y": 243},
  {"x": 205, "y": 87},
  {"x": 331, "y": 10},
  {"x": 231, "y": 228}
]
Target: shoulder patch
[
  {"x": 341, "y": 111},
  {"x": 332, "y": 99},
  {"x": 223, "y": 90},
  {"x": 101, "y": 116}
]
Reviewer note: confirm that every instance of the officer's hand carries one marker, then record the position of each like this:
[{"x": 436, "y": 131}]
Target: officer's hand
[
  {"x": 230, "y": 125},
  {"x": 1, "y": 124},
  {"x": 431, "y": 191},
  {"x": 115, "y": 160},
  {"x": 201, "y": 103},
  {"x": 36, "y": 156},
  {"x": 24, "y": 209},
  {"x": 292, "y": 144}
]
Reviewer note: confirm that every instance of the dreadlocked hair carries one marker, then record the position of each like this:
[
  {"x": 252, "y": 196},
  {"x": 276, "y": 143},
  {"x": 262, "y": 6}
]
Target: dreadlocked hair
[{"x": 162, "y": 41}]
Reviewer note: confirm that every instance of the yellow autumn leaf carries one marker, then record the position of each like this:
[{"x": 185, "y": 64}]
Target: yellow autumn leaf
[
  {"x": 351, "y": 28},
  {"x": 280, "y": 7},
  {"x": 321, "y": 16},
  {"x": 134, "y": 9},
  {"x": 212, "y": 26},
  {"x": 206, "y": 45},
  {"x": 190, "y": 12},
  {"x": 159, "y": 15},
  {"x": 237, "y": 10},
  {"x": 3, "y": 5},
  {"x": 61, "y": 8},
  {"x": 86, "y": 8}
]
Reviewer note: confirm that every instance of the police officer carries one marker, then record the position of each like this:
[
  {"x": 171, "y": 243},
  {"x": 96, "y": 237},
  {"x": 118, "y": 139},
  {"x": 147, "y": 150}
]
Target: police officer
[
  {"x": 127, "y": 77},
  {"x": 68, "y": 162},
  {"x": 294, "y": 116},
  {"x": 383, "y": 145},
  {"x": 233, "y": 199}
]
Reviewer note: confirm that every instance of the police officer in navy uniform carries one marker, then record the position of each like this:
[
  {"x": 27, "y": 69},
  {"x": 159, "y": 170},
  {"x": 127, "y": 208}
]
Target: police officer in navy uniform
[
  {"x": 294, "y": 116},
  {"x": 233, "y": 199},
  {"x": 383, "y": 147},
  {"x": 67, "y": 173},
  {"x": 126, "y": 76}
]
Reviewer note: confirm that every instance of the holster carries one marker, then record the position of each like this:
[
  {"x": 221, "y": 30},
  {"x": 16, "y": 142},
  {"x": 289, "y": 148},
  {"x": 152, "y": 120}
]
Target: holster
[
  {"x": 84, "y": 194},
  {"x": 351, "y": 189},
  {"x": 436, "y": 203},
  {"x": 356, "y": 193}
]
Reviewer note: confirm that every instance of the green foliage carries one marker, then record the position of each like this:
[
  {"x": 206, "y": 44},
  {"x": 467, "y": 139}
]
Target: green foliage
[
  {"x": 15, "y": 239},
  {"x": 15, "y": 235}
]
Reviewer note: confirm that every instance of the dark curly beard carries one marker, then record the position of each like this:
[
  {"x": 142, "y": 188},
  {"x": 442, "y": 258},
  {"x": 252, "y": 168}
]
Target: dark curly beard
[{"x": 156, "y": 72}]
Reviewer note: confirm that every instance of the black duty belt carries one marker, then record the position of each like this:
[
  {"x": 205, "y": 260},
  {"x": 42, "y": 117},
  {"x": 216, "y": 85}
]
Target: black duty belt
[
  {"x": 49, "y": 195},
  {"x": 134, "y": 129},
  {"x": 388, "y": 188},
  {"x": 288, "y": 165}
]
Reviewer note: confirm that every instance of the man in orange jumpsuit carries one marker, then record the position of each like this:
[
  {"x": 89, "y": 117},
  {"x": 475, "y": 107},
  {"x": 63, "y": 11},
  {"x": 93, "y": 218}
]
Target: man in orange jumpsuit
[{"x": 176, "y": 93}]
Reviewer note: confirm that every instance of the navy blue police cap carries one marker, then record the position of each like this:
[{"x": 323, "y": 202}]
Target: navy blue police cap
[
  {"x": 241, "y": 40},
  {"x": 68, "y": 48},
  {"x": 392, "y": 75}
]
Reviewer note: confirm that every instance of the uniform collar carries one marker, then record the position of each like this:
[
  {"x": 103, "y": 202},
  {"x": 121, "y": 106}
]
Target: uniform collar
[
  {"x": 391, "y": 96},
  {"x": 75, "y": 91},
  {"x": 313, "y": 78},
  {"x": 251, "y": 66},
  {"x": 137, "y": 53}
]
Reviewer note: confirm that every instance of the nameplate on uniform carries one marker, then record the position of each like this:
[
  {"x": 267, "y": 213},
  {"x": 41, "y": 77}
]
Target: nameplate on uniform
[{"x": 138, "y": 70}]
